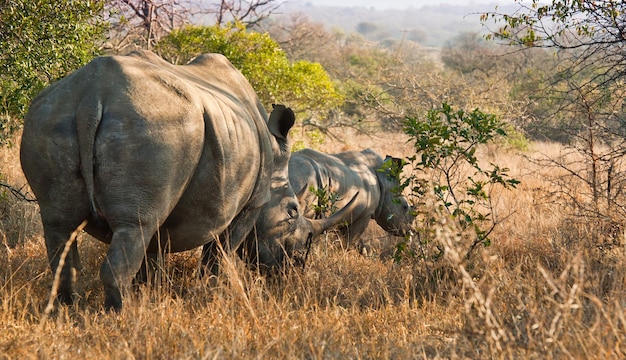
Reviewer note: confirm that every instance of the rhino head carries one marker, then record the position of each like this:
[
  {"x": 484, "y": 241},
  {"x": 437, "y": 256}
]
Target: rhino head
[
  {"x": 394, "y": 214},
  {"x": 282, "y": 230}
]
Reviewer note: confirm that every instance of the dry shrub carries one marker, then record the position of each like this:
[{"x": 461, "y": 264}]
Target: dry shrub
[
  {"x": 537, "y": 312},
  {"x": 550, "y": 291}
]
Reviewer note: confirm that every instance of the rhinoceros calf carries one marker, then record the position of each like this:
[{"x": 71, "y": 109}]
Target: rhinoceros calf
[
  {"x": 157, "y": 156},
  {"x": 343, "y": 175}
]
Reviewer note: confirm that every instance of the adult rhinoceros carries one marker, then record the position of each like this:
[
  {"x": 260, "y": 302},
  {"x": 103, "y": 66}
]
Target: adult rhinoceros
[
  {"x": 157, "y": 156},
  {"x": 344, "y": 175}
]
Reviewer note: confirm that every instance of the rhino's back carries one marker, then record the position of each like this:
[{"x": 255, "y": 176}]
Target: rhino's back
[
  {"x": 344, "y": 174},
  {"x": 351, "y": 168}
]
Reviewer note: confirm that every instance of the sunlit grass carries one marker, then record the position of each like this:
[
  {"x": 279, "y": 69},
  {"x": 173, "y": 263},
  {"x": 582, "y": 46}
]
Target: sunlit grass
[{"x": 542, "y": 290}]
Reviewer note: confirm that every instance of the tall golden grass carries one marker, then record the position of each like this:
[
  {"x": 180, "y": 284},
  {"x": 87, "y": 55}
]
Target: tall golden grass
[{"x": 544, "y": 289}]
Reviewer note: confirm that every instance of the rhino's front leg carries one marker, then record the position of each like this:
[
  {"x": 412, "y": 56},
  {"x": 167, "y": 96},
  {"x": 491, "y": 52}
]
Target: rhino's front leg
[
  {"x": 353, "y": 232},
  {"x": 230, "y": 240},
  {"x": 150, "y": 266},
  {"x": 210, "y": 259},
  {"x": 122, "y": 262}
]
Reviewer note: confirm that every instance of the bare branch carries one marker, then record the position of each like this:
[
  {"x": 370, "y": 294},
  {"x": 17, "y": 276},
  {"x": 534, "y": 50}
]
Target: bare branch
[
  {"x": 18, "y": 192},
  {"x": 139, "y": 24},
  {"x": 250, "y": 13}
]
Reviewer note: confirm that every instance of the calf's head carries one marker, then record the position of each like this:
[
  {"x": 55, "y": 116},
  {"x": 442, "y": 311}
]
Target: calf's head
[{"x": 394, "y": 214}]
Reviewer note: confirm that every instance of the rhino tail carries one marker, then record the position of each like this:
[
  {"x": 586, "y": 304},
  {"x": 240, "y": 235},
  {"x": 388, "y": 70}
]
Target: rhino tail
[{"x": 88, "y": 118}]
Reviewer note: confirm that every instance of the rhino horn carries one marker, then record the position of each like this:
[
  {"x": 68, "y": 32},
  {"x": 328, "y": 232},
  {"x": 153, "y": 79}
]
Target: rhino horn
[
  {"x": 302, "y": 192},
  {"x": 321, "y": 225}
]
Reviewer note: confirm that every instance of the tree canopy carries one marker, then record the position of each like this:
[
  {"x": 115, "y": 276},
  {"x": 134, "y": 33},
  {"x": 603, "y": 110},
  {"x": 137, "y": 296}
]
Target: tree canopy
[
  {"x": 582, "y": 95},
  {"x": 42, "y": 41},
  {"x": 588, "y": 34},
  {"x": 304, "y": 85}
]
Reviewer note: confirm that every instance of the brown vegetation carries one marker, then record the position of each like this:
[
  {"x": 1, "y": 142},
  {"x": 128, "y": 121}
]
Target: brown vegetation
[{"x": 546, "y": 288}]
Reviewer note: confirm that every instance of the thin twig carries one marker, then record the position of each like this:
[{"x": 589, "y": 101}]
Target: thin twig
[{"x": 18, "y": 192}]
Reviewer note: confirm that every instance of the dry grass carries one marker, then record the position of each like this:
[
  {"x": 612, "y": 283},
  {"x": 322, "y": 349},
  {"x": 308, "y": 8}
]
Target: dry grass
[{"x": 542, "y": 290}]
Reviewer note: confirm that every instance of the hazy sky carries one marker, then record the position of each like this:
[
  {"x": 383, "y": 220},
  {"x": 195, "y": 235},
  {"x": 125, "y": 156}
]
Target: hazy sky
[{"x": 398, "y": 4}]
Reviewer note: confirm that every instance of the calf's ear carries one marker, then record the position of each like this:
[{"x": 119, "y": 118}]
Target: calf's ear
[
  {"x": 281, "y": 120},
  {"x": 398, "y": 162}
]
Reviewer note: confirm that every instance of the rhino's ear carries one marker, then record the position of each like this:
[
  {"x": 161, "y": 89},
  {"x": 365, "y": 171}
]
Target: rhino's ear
[
  {"x": 281, "y": 120},
  {"x": 398, "y": 162}
]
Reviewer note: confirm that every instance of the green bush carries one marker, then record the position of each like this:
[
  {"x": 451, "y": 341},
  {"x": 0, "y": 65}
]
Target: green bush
[
  {"x": 304, "y": 85},
  {"x": 40, "y": 42},
  {"x": 450, "y": 173}
]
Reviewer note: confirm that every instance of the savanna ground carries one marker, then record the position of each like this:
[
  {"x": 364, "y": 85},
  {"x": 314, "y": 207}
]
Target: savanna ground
[{"x": 547, "y": 287}]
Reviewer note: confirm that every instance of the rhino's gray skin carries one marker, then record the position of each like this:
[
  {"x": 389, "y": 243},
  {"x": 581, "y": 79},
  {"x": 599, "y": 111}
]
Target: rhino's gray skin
[
  {"x": 157, "y": 156},
  {"x": 344, "y": 174}
]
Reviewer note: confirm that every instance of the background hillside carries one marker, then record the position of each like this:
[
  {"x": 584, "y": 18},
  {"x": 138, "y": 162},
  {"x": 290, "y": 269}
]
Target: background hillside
[
  {"x": 428, "y": 25},
  {"x": 390, "y": 4}
]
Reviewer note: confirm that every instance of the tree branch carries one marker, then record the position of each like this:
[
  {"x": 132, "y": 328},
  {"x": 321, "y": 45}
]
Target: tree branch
[{"x": 18, "y": 192}]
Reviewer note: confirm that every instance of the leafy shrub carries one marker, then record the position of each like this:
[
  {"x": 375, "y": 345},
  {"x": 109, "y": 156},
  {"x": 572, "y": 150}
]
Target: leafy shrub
[
  {"x": 40, "y": 42},
  {"x": 448, "y": 175},
  {"x": 304, "y": 85}
]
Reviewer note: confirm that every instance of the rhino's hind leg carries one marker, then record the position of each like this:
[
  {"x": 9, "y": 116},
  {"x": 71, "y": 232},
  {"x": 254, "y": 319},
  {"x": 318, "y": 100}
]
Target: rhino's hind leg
[
  {"x": 123, "y": 261},
  {"x": 57, "y": 238},
  {"x": 62, "y": 199},
  {"x": 61, "y": 215}
]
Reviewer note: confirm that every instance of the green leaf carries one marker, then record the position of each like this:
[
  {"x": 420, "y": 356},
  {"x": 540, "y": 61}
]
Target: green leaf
[{"x": 304, "y": 85}]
